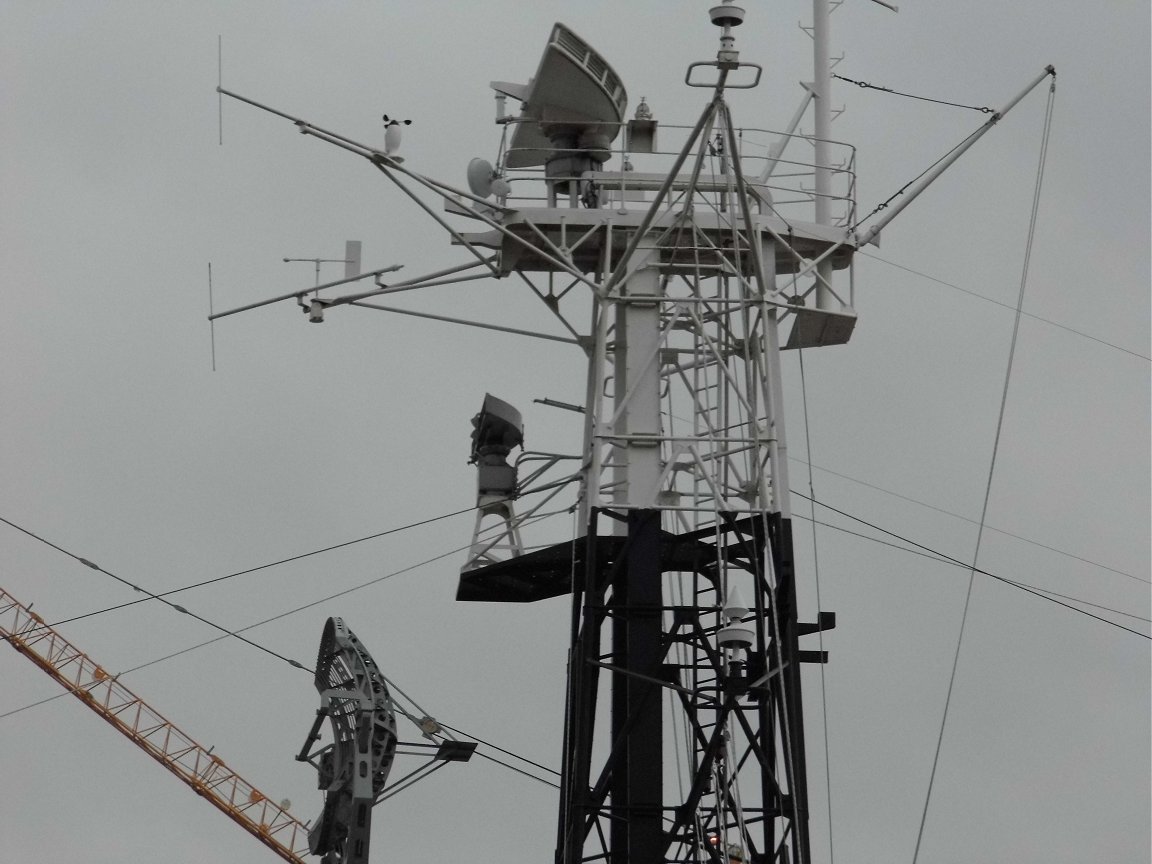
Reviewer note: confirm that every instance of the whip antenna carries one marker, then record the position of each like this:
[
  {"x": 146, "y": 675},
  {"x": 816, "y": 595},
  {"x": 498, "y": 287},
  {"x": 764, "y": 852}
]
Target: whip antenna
[
  {"x": 219, "y": 84},
  {"x": 211, "y": 317}
]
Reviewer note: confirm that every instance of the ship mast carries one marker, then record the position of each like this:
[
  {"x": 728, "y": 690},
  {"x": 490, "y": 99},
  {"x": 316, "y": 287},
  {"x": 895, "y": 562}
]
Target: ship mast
[
  {"x": 682, "y": 580},
  {"x": 701, "y": 258},
  {"x": 701, "y": 261}
]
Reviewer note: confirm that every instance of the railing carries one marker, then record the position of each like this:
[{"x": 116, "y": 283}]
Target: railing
[{"x": 778, "y": 166}]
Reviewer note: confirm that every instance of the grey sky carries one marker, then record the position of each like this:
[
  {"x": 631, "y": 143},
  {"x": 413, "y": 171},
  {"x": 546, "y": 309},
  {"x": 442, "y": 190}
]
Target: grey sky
[{"x": 122, "y": 445}]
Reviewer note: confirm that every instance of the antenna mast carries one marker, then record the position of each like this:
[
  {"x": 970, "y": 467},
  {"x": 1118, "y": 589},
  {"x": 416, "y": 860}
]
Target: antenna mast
[
  {"x": 685, "y": 642},
  {"x": 822, "y": 116},
  {"x": 684, "y": 507}
]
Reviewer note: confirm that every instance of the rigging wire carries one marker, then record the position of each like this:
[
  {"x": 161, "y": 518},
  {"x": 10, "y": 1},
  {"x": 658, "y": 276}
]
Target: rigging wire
[
  {"x": 941, "y": 558},
  {"x": 819, "y": 605},
  {"x": 925, "y": 504},
  {"x": 261, "y": 567},
  {"x": 992, "y": 461},
  {"x": 501, "y": 749},
  {"x": 884, "y": 204},
  {"x": 300, "y": 609},
  {"x": 419, "y": 721},
  {"x": 1005, "y": 305},
  {"x": 929, "y": 552},
  {"x": 973, "y": 521},
  {"x": 256, "y": 624},
  {"x": 152, "y": 596},
  {"x": 391, "y": 683},
  {"x": 276, "y": 563},
  {"x": 518, "y": 770},
  {"x": 865, "y": 85}
]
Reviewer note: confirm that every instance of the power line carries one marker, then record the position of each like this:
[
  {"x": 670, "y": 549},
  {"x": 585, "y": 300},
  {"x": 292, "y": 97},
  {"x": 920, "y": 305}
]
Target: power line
[
  {"x": 925, "y": 504},
  {"x": 384, "y": 533}
]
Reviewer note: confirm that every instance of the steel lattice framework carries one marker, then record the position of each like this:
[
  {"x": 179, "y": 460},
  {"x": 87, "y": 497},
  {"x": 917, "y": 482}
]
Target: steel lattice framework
[
  {"x": 694, "y": 273},
  {"x": 206, "y": 773}
]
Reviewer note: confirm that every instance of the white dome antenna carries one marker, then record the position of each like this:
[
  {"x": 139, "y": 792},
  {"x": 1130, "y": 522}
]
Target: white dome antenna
[
  {"x": 727, "y": 16},
  {"x": 484, "y": 180}
]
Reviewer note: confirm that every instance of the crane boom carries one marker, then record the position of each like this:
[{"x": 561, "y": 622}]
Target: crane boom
[{"x": 206, "y": 773}]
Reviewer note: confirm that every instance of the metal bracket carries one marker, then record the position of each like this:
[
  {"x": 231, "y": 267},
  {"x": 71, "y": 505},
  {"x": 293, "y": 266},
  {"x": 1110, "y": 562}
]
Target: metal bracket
[{"x": 723, "y": 67}]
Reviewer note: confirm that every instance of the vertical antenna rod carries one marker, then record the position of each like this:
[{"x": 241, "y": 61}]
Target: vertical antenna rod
[
  {"x": 211, "y": 317},
  {"x": 822, "y": 114},
  {"x": 220, "y": 84}
]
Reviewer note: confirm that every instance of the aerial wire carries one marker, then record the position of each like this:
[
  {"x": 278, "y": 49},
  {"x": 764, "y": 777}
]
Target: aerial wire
[
  {"x": 253, "y": 626},
  {"x": 884, "y": 204},
  {"x": 501, "y": 749},
  {"x": 819, "y": 606},
  {"x": 865, "y": 85},
  {"x": 391, "y": 683},
  {"x": 258, "y": 568},
  {"x": 923, "y": 551},
  {"x": 980, "y": 296},
  {"x": 955, "y": 515},
  {"x": 941, "y": 558},
  {"x": 293, "y": 611},
  {"x": 418, "y": 721},
  {"x": 518, "y": 770},
  {"x": 152, "y": 596},
  {"x": 1043, "y": 593},
  {"x": 992, "y": 464},
  {"x": 973, "y": 521}
]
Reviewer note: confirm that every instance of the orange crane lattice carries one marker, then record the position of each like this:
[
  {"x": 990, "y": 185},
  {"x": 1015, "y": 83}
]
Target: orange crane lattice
[{"x": 207, "y": 774}]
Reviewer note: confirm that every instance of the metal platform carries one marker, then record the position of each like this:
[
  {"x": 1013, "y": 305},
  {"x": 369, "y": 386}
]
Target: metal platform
[{"x": 550, "y": 572}]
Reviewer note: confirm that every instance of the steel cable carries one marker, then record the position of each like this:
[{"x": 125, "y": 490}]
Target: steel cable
[{"x": 992, "y": 461}]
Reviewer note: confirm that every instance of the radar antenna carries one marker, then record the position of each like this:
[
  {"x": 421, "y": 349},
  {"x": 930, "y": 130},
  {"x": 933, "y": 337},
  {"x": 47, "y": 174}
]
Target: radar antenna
[{"x": 354, "y": 768}]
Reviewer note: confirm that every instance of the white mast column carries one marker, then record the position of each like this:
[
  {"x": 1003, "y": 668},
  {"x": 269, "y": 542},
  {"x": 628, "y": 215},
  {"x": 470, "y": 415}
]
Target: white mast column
[
  {"x": 638, "y": 383},
  {"x": 822, "y": 114}
]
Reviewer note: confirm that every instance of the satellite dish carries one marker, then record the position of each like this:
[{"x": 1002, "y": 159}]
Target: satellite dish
[{"x": 480, "y": 177}]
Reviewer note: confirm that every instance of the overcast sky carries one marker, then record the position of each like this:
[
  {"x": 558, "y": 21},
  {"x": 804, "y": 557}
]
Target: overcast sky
[{"x": 122, "y": 445}]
